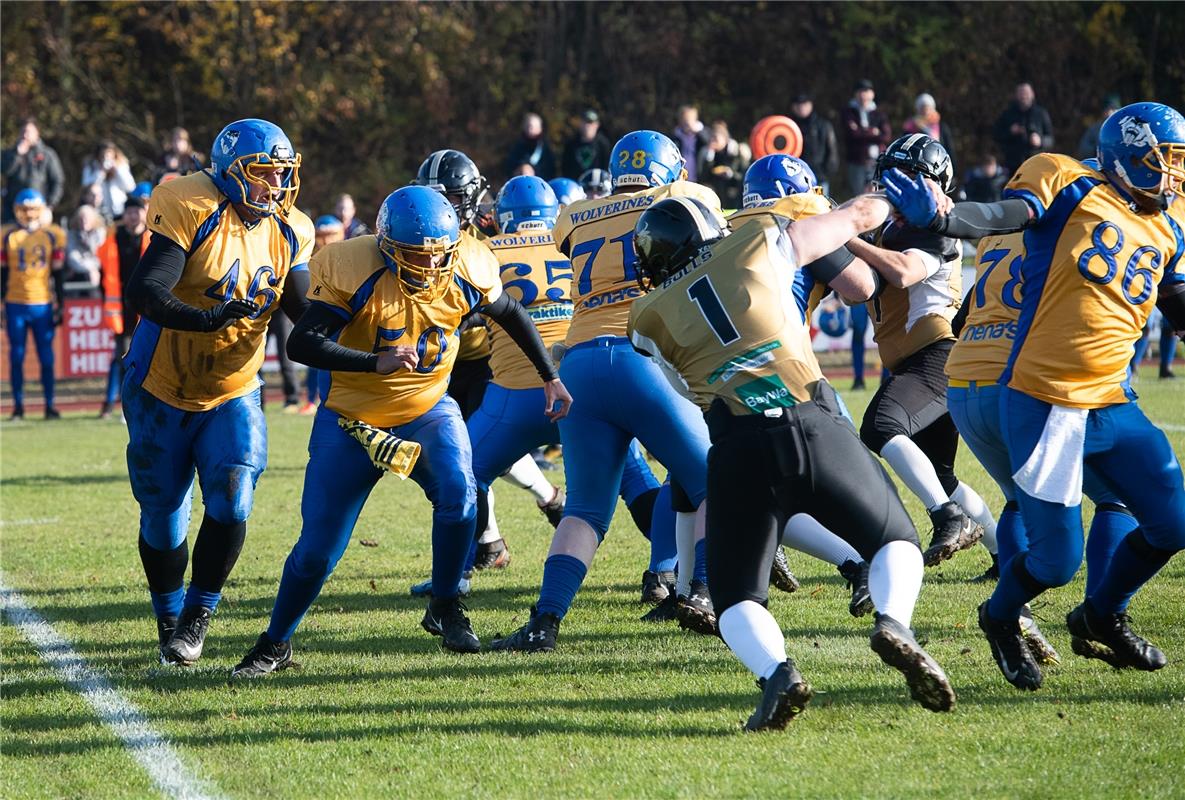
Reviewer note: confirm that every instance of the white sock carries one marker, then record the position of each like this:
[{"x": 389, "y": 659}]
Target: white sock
[
  {"x": 894, "y": 580},
  {"x": 973, "y": 505},
  {"x": 752, "y": 633},
  {"x": 525, "y": 474},
  {"x": 490, "y": 534},
  {"x": 685, "y": 549},
  {"x": 805, "y": 534},
  {"x": 912, "y": 466}
]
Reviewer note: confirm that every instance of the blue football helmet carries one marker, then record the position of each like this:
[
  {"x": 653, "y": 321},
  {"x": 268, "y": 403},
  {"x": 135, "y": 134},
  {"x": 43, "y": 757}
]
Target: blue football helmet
[
  {"x": 567, "y": 191},
  {"x": 143, "y": 190},
  {"x": 777, "y": 175},
  {"x": 241, "y": 151},
  {"x": 27, "y": 207},
  {"x": 418, "y": 232},
  {"x": 1141, "y": 145},
  {"x": 527, "y": 203},
  {"x": 596, "y": 183},
  {"x": 644, "y": 159}
]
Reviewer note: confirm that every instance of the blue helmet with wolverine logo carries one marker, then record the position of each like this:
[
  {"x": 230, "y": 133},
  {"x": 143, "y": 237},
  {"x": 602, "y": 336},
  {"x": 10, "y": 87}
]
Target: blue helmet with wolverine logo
[{"x": 243, "y": 152}]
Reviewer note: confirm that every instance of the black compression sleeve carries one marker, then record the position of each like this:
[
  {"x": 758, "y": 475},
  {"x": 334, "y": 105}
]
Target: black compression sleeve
[
  {"x": 1171, "y": 302},
  {"x": 960, "y": 318},
  {"x": 513, "y": 318},
  {"x": 3, "y": 282},
  {"x": 59, "y": 287},
  {"x": 150, "y": 290},
  {"x": 976, "y": 220},
  {"x": 295, "y": 299},
  {"x": 311, "y": 343},
  {"x": 825, "y": 268}
]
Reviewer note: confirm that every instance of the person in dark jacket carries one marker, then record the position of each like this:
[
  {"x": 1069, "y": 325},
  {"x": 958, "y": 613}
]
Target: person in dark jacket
[
  {"x": 692, "y": 137},
  {"x": 866, "y": 135},
  {"x": 985, "y": 182},
  {"x": 819, "y": 147},
  {"x": 531, "y": 154},
  {"x": 722, "y": 165},
  {"x": 30, "y": 164},
  {"x": 927, "y": 120},
  {"x": 1024, "y": 129},
  {"x": 1088, "y": 145},
  {"x": 587, "y": 149}
]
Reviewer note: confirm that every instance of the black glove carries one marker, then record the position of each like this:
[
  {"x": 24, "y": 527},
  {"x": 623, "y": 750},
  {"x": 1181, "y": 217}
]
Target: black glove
[
  {"x": 225, "y": 314},
  {"x": 58, "y": 317}
]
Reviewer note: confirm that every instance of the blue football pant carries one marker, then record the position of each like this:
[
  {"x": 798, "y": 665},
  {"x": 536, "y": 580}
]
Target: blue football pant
[
  {"x": 976, "y": 412},
  {"x": 19, "y": 320},
  {"x": 622, "y": 395},
  {"x": 339, "y": 479}
]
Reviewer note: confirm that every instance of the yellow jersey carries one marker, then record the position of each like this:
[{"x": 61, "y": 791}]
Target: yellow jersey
[
  {"x": 807, "y": 290},
  {"x": 906, "y": 320},
  {"x": 990, "y": 330},
  {"x": 226, "y": 259},
  {"x": 352, "y": 279},
  {"x": 535, "y": 273},
  {"x": 598, "y": 236},
  {"x": 475, "y": 339},
  {"x": 729, "y": 325},
  {"x": 1091, "y": 270},
  {"x": 30, "y": 258}
]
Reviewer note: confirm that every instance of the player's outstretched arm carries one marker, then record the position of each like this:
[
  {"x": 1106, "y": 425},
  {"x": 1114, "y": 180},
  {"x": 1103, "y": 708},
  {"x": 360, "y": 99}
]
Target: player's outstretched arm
[
  {"x": 815, "y": 237},
  {"x": 898, "y": 269},
  {"x": 311, "y": 343},
  {"x": 914, "y": 200},
  {"x": 513, "y": 318},
  {"x": 150, "y": 292}
]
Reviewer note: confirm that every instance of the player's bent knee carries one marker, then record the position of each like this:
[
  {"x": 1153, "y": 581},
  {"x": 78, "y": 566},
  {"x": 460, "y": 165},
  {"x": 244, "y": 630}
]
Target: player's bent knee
[
  {"x": 876, "y": 434},
  {"x": 1049, "y": 573},
  {"x": 231, "y": 500}
]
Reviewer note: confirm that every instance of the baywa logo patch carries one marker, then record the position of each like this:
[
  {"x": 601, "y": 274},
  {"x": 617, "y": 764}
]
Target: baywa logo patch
[{"x": 763, "y": 393}]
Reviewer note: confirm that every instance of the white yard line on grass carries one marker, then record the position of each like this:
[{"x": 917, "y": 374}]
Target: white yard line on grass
[
  {"x": 144, "y": 744},
  {"x": 1168, "y": 426}
]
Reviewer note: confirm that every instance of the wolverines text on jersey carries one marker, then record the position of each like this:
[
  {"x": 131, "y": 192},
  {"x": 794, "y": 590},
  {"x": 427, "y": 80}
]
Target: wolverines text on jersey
[
  {"x": 352, "y": 280},
  {"x": 30, "y": 257},
  {"x": 226, "y": 259},
  {"x": 906, "y": 320},
  {"x": 987, "y": 337},
  {"x": 536, "y": 274},
  {"x": 598, "y": 236},
  {"x": 1091, "y": 270},
  {"x": 729, "y": 324}
]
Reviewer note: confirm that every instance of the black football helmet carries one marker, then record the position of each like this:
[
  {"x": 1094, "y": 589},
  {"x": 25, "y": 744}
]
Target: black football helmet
[
  {"x": 453, "y": 174},
  {"x": 918, "y": 153},
  {"x": 669, "y": 235}
]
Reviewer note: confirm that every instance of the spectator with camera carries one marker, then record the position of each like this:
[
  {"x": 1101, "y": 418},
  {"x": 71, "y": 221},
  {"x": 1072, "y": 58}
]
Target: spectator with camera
[
  {"x": 30, "y": 164},
  {"x": 108, "y": 169},
  {"x": 1024, "y": 129},
  {"x": 866, "y": 135}
]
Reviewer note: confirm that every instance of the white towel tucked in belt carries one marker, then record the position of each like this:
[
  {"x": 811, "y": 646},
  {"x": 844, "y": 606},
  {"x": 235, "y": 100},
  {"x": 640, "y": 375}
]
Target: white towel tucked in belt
[{"x": 1054, "y": 470}]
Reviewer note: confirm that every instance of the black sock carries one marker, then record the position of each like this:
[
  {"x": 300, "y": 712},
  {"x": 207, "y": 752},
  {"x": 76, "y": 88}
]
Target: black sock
[
  {"x": 642, "y": 509},
  {"x": 165, "y": 569},
  {"x": 215, "y": 552}
]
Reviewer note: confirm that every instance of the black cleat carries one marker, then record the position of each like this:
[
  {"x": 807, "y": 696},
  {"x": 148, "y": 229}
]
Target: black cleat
[
  {"x": 554, "y": 511},
  {"x": 492, "y": 555},
  {"x": 695, "y": 612},
  {"x": 537, "y": 636},
  {"x": 185, "y": 648},
  {"x": 1038, "y": 645},
  {"x": 856, "y": 574},
  {"x": 18, "y": 412},
  {"x": 897, "y": 647},
  {"x": 657, "y": 586},
  {"x": 992, "y": 573},
  {"x": 165, "y": 626},
  {"x": 780, "y": 574},
  {"x": 953, "y": 531},
  {"x": 666, "y": 611},
  {"x": 445, "y": 617},
  {"x": 264, "y": 658},
  {"x": 1012, "y": 654},
  {"x": 784, "y": 695},
  {"x": 1109, "y": 637},
  {"x": 52, "y": 413}
]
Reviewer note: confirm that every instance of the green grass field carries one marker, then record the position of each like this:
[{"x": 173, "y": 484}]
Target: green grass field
[{"x": 622, "y": 709}]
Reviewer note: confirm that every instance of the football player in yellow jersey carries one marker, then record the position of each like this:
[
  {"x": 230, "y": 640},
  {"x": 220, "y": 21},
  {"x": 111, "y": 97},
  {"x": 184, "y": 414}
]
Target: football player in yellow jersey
[
  {"x": 622, "y": 394},
  {"x": 32, "y": 286},
  {"x": 906, "y": 422},
  {"x": 228, "y": 247},
  {"x": 1103, "y": 242},
  {"x": 721, "y": 319},
  {"x": 383, "y": 319}
]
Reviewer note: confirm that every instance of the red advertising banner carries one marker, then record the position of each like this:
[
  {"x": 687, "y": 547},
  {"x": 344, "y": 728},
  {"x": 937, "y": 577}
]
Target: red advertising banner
[{"x": 83, "y": 346}]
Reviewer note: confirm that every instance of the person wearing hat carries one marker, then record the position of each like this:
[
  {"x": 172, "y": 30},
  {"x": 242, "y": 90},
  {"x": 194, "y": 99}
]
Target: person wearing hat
[
  {"x": 927, "y": 120},
  {"x": 586, "y": 149},
  {"x": 866, "y": 134},
  {"x": 118, "y": 256},
  {"x": 819, "y": 147}
]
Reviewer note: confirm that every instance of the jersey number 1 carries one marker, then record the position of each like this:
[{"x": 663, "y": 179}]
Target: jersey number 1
[{"x": 703, "y": 294}]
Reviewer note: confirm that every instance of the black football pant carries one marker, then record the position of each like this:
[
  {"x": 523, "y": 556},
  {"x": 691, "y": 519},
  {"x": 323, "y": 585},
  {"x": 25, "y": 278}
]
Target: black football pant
[{"x": 763, "y": 470}]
